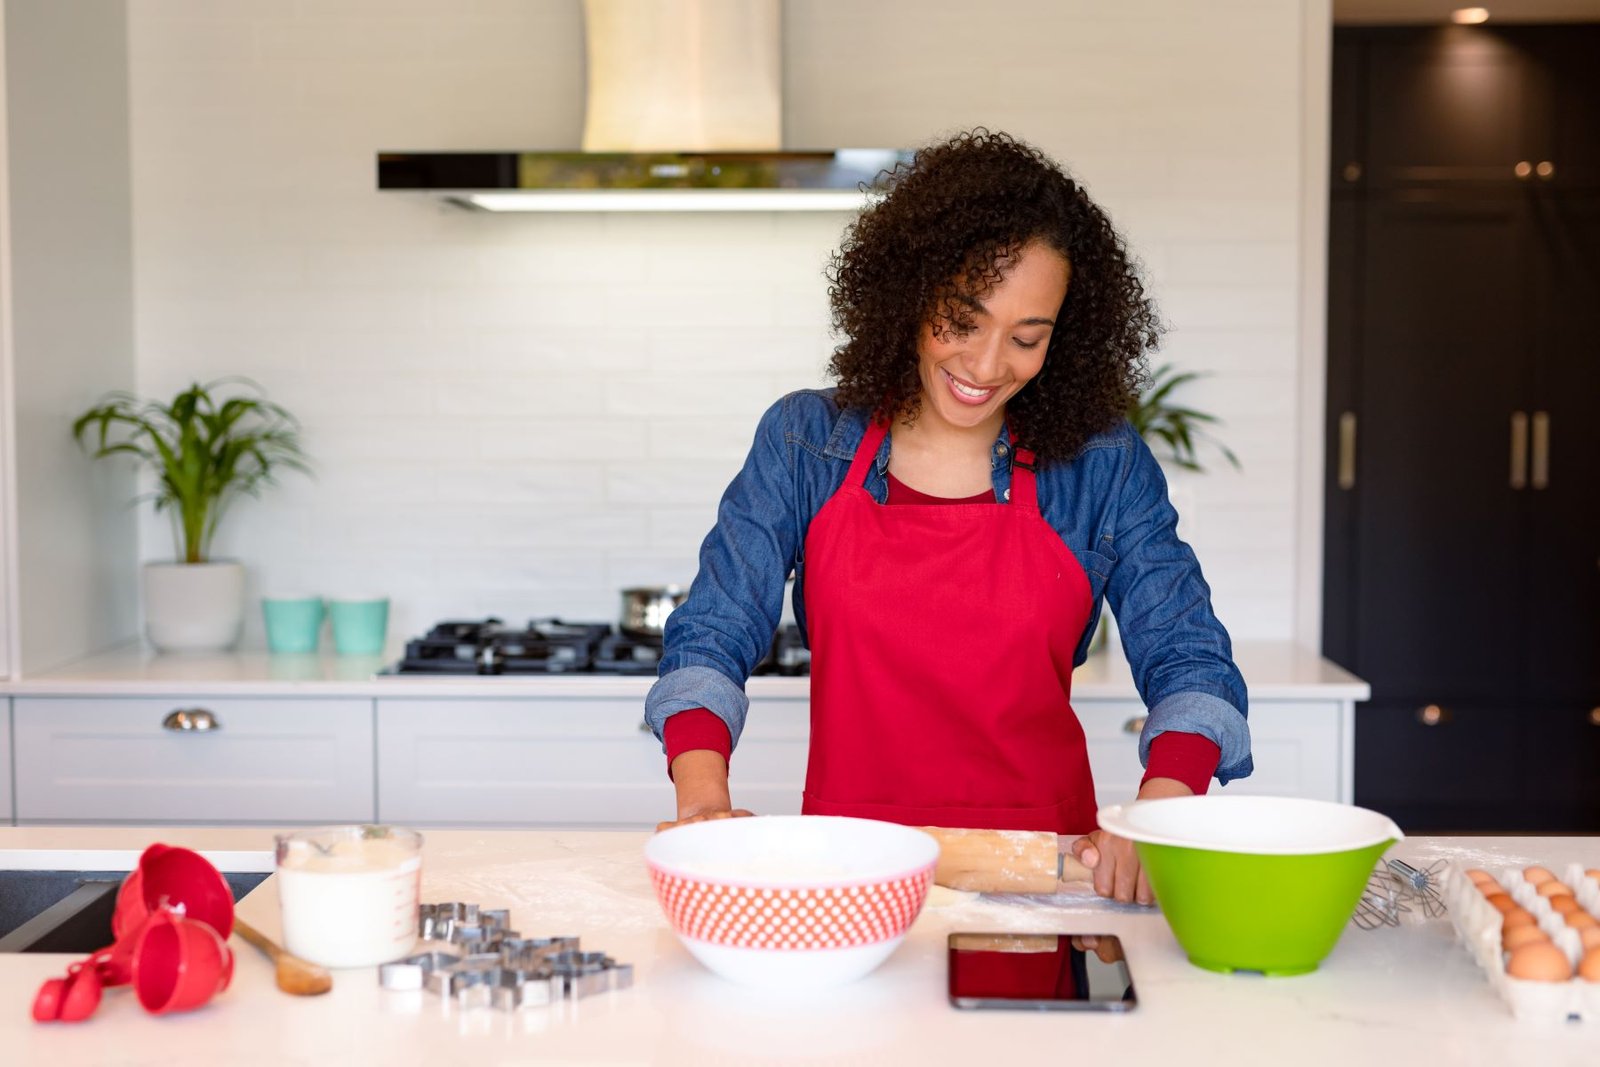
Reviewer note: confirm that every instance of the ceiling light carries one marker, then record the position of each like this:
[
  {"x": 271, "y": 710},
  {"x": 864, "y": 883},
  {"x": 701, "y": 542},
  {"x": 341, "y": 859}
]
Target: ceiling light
[{"x": 1469, "y": 16}]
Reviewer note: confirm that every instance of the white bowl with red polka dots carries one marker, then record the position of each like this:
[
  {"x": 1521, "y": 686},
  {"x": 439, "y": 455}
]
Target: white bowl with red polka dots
[{"x": 791, "y": 901}]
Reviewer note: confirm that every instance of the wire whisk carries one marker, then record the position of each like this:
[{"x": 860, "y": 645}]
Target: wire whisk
[{"x": 1393, "y": 889}]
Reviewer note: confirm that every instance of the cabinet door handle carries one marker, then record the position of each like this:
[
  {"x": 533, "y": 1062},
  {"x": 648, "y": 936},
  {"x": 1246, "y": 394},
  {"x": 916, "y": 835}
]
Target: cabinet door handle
[
  {"x": 1433, "y": 715},
  {"x": 1347, "y": 450},
  {"x": 644, "y": 727},
  {"x": 1523, "y": 170},
  {"x": 1135, "y": 725},
  {"x": 1519, "y": 450},
  {"x": 1541, "y": 449},
  {"x": 1594, "y": 716},
  {"x": 190, "y": 720},
  {"x": 1545, "y": 169}
]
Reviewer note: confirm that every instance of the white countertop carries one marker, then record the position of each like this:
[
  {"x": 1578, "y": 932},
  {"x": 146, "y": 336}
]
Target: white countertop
[
  {"x": 1272, "y": 670},
  {"x": 1403, "y": 995}
]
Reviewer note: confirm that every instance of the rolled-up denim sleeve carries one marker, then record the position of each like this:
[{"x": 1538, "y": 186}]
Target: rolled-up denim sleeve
[
  {"x": 1180, "y": 654},
  {"x": 714, "y": 639}
]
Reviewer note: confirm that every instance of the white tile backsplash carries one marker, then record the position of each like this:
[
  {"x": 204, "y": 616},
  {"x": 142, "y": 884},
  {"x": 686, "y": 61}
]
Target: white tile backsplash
[{"x": 521, "y": 415}]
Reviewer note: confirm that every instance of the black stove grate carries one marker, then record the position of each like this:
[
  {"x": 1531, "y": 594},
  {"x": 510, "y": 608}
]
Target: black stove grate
[{"x": 554, "y": 646}]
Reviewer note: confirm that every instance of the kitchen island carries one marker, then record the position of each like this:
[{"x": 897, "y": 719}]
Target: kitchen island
[{"x": 1396, "y": 995}]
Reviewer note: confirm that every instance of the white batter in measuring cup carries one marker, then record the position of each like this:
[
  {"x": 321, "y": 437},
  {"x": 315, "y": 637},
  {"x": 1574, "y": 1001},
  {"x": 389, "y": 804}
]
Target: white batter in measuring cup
[{"x": 350, "y": 893}]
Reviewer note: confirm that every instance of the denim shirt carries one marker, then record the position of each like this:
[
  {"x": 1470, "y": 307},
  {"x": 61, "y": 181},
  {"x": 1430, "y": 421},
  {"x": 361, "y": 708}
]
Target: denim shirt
[{"x": 1109, "y": 505}]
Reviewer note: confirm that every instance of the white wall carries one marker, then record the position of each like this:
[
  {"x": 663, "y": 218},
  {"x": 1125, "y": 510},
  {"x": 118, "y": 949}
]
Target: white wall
[
  {"x": 67, "y": 218},
  {"x": 522, "y": 415}
]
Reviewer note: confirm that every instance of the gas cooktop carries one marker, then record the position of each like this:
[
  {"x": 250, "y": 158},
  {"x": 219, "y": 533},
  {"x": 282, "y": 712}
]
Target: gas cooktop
[{"x": 555, "y": 646}]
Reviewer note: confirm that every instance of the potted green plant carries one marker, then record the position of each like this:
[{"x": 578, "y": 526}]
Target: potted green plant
[
  {"x": 1173, "y": 433},
  {"x": 205, "y": 449}
]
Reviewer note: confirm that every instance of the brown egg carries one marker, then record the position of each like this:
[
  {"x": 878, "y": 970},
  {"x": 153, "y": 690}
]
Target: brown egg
[
  {"x": 1582, "y": 920},
  {"x": 1589, "y": 966},
  {"x": 1590, "y": 937},
  {"x": 1593, "y": 872},
  {"x": 1517, "y": 917},
  {"x": 1539, "y": 962},
  {"x": 1555, "y": 889},
  {"x": 1537, "y": 875},
  {"x": 1501, "y": 902},
  {"x": 1478, "y": 876},
  {"x": 1564, "y": 905},
  {"x": 1518, "y": 936}
]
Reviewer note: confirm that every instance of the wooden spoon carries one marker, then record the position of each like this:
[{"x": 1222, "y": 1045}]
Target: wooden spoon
[{"x": 295, "y": 975}]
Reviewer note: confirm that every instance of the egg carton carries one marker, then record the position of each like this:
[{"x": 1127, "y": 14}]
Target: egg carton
[{"x": 1478, "y": 926}]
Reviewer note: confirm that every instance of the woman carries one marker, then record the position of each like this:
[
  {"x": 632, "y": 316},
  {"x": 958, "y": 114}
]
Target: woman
[{"x": 953, "y": 514}]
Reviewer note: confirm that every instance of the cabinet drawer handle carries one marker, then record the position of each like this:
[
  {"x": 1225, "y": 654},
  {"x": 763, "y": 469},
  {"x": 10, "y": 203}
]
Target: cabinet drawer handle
[
  {"x": 1433, "y": 715},
  {"x": 1519, "y": 450},
  {"x": 1594, "y": 716},
  {"x": 1347, "y": 450},
  {"x": 1541, "y": 450},
  {"x": 1135, "y": 725},
  {"x": 190, "y": 720},
  {"x": 644, "y": 727}
]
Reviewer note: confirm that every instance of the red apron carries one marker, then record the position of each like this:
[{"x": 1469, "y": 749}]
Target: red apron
[{"x": 942, "y": 639}]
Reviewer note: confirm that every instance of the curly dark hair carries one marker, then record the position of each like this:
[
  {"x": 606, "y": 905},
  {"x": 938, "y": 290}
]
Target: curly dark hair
[{"x": 951, "y": 220}]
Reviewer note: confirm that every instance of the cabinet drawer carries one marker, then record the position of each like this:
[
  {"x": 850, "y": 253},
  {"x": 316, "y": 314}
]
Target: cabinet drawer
[
  {"x": 272, "y": 761},
  {"x": 1296, "y": 746},
  {"x": 562, "y": 762},
  {"x": 5, "y": 761}
]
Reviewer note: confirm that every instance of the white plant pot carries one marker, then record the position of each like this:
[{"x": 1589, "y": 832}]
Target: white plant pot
[{"x": 193, "y": 607}]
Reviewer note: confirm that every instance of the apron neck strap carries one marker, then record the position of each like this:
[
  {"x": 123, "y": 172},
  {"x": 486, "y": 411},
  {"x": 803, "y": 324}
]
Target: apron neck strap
[
  {"x": 1024, "y": 491},
  {"x": 866, "y": 452}
]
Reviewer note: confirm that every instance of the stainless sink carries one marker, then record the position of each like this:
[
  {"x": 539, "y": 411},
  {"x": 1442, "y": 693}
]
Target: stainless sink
[{"x": 61, "y": 900}]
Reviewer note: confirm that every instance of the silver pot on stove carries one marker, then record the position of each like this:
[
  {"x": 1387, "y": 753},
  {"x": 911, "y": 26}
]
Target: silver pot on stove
[{"x": 645, "y": 608}]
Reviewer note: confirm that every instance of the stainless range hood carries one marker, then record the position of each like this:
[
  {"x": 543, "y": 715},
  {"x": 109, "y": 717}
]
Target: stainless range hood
[
  {"x": 683, "y": 113},
  {"x": 640, "y": 181}
]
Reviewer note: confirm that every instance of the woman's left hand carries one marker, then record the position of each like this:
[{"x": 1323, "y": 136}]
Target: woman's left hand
[{"x": 1115, "y": 864}]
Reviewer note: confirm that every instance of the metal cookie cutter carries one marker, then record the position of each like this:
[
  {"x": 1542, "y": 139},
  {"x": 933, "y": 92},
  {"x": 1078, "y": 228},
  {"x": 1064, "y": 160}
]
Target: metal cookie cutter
[
  {"x": 412, "y": 972},
  {"x": 463, "y": 973},
  {"x": 530, "y": 953},
  {"x": 476, "y": 960},
  {"x": 583, "y": 973},
  {"x": 436, "y": 922},
  {"x": 520, "y": 989}
]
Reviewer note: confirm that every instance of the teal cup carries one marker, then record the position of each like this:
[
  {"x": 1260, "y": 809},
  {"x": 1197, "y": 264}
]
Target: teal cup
[
  {"x": 294, "y": 624},
  {"x": 359, "y": 626}
]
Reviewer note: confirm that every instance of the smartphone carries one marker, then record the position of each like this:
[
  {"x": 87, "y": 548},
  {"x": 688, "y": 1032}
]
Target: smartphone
[{"x": 1039, "y": 972}]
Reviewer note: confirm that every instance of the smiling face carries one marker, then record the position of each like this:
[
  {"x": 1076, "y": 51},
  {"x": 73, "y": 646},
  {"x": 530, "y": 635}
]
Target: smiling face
[{"x": 993, "y": 345}]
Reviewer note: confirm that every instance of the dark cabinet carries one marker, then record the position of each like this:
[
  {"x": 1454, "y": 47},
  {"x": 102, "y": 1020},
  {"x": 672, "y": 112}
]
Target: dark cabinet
[
  {"x": 1439, "y": 765},
  {"x": 1462, "y": 566}
]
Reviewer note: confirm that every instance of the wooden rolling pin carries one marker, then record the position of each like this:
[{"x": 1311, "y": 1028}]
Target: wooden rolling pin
[{"x": 1004, "y": 861}]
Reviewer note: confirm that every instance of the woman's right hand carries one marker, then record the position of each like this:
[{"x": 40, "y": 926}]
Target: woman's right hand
[{"x": 701, "y": 779}]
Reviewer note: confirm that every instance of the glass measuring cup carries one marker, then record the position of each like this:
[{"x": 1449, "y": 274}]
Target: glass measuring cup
[{"x": 349, "y": 893}]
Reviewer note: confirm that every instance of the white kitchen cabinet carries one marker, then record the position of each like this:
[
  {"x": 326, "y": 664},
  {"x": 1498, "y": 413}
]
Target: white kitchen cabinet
[
  {"x": 1298, "y": 746},
  {"x": 109, "y": 760},
  {"x": 5, "y": 761},
  {"x": 563, "y": 761}
]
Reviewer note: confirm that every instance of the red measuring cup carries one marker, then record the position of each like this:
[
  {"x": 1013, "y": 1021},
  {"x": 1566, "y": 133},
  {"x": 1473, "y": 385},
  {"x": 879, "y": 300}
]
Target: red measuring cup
[
  {"x": 179, "y": 878},
  {"x": 173, "y": 915},
  {"x": 179, "y": 963}
]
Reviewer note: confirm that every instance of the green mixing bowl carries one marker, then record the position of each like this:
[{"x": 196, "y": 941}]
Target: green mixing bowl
[{"x": 1254, "y": 883}]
